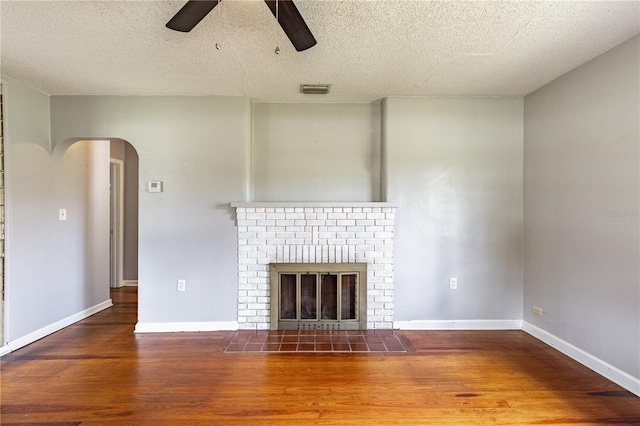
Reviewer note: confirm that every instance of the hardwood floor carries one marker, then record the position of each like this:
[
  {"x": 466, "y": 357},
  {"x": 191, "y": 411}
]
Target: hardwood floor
[{"x": 97, "y": 372}]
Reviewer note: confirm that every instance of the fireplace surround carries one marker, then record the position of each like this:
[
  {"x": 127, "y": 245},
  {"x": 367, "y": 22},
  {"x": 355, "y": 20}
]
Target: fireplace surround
[{"x": 314, "y": 233}]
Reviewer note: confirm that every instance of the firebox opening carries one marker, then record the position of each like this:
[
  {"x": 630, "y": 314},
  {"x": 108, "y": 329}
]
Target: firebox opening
[{"x": 317, "y": 296}]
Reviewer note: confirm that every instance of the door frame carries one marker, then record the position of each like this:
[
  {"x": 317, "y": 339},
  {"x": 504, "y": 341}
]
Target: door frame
[{"x": 116, "y": 220}]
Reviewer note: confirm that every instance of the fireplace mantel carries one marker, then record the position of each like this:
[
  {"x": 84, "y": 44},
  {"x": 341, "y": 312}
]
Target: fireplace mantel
[
  {"x": 318, "y": 204},
  {"x": 313, "y": 232}
]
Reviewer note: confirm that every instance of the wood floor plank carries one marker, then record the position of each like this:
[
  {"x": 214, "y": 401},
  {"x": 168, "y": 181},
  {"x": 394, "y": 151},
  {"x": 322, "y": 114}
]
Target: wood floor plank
[{"x": 97, "y": 372}]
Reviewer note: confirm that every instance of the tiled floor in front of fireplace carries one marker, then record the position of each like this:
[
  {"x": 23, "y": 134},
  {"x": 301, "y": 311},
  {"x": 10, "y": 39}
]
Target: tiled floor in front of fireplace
[{"x": 315, "y": 341}]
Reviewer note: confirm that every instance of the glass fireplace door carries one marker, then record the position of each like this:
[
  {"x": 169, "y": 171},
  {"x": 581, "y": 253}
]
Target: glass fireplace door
[{"x": 318, "y": 300}]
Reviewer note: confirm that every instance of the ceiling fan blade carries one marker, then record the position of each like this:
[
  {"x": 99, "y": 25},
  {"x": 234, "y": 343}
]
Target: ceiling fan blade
[
  {"x": 292, "y": 23},
  {"x": 190, "y": 14}
]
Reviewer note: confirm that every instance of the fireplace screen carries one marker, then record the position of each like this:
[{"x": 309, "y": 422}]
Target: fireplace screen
[{"x": 318, "y": 296}]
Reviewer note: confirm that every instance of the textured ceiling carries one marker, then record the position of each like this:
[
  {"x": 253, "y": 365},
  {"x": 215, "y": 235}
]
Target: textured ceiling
[{"x": 366, "y": 50}]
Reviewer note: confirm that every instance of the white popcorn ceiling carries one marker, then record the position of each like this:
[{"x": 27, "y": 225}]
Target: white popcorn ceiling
[{"x": 366, "y": 50}]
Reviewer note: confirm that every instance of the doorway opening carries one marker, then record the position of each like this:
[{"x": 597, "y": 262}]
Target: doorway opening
[
  {"x": 116, "y": 219},
  {"x": 123, "y": 237}
]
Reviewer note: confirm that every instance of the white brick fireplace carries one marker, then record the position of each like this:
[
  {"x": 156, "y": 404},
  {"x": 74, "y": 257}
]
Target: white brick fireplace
[{"x": 313, "y": 232}]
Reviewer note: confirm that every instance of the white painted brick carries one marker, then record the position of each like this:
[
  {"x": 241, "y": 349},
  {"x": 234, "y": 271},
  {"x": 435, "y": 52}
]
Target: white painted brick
[
  {"x": 285, "y": 235},
  {"x": 337, "y": 216},
  {"x": 345, "y": 235},
  {"x": 342, "y": 241},
  {"x": 355, "y": 228},
  {"x": 356, "y": 216},
  {"x": 247, "y": 274},
  {"x": 253, "y": 268},
  {"x": 266, "y": 236},
  {"x": 384, "y": 286},
  {"x": 383, "y": 235},
  {"x": 245, "y": 235},
  {"x": 337, "y": 228}
]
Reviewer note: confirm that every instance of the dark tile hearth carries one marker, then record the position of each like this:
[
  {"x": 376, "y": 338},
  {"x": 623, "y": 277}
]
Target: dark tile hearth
[{"x": 315, "y": 341}]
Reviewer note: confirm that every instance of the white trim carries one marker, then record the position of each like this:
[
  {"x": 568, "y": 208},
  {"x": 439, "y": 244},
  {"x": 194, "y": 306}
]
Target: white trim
[
  {"x": 5, "y": 322},
  {"x": 172, "y": 327},
  {"x": 459, "y": 325},
  {"x": 4, "y": 350},
  {"x": 627, "y": 381},
  {"x": 56, "y": 326},
  {"x": 130, "y": 283}
]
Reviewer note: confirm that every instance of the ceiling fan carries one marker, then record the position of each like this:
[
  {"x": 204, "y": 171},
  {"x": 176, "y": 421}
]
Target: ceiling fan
[{"x": 284, "y": 11}]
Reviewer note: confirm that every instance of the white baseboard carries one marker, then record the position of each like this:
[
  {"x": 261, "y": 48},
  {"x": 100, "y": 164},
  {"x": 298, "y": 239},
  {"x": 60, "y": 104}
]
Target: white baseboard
[
  {"x": 52, "y": 328},
  {"x": 632, "y": 384},
  {"x": 459, "y": 325},
  {"x": 4, "y": 350},
  {"x": 130, "y": 283},
  {"x": 172, "y": 327}
]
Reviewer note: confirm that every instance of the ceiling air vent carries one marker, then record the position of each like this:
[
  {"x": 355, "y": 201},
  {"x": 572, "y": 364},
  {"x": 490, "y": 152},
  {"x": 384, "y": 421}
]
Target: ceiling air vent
[{"x": 314, "y": 89}]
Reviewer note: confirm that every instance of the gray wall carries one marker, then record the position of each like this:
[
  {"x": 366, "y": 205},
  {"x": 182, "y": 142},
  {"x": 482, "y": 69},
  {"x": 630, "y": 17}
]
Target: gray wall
[
  {"x": 581, "y": 227},
  {"x": 55, "y": 268},
  {"x": 198, "y": 147},
  {"x": 454, "y": 167},
  {"x": 316, "y": 152}
]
